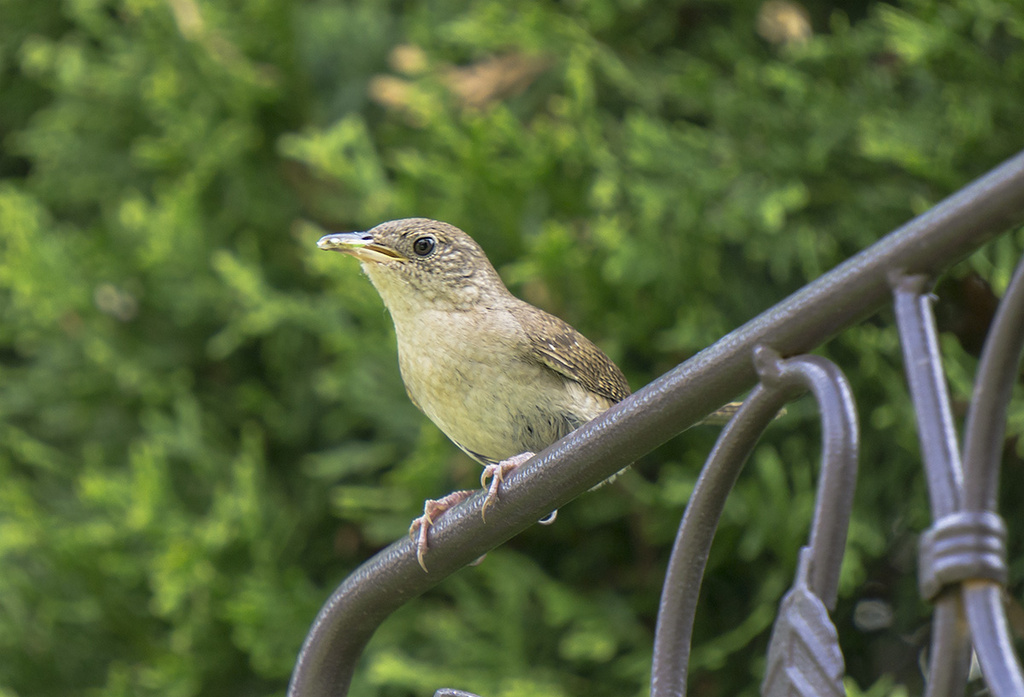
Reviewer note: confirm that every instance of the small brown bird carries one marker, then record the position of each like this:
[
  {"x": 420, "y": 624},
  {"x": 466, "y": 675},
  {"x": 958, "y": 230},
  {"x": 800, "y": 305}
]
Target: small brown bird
[{"x": 501, "y": 378}]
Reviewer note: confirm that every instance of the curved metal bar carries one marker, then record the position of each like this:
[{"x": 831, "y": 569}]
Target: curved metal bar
[
  {"x": 959, "y": 500},
  {"x": 983, "y": 445},
  {"x": 983, "y": 601},
  {"x": 929, "y": 392},
  {"x": 839, "y": 451},
  {"x": 986, "y": 420},
  {"x": 782, "y": 380},
  {"x": 677, "y": 400},
  {"x": 951, "y": 644},
  {"x": 693, "y": 541},
  {"x": 949, "y": 655},
  {"x": 392, "y": 577},
  {"x": 804, "y": 656}
]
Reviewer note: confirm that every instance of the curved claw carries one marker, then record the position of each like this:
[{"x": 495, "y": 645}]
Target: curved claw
[
  {"x": 490, "y": 479},
  {"x": 418, "y": 532},
  {"x": 496, "y": 475},
  {"x": 432, "y": 509}
]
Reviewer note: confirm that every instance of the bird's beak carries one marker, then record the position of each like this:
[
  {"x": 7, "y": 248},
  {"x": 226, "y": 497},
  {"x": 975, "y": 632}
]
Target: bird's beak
[{"x": 360, "y": 245}]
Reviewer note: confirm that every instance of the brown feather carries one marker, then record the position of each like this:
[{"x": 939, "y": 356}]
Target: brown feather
[{"x": 557, "y": 345}]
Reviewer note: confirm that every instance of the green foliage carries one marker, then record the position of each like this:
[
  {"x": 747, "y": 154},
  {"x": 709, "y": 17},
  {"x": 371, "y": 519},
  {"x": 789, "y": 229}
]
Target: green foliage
[{"x": 202, "y": 426}]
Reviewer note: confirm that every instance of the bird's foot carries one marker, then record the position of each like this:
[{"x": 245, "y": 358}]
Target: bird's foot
[
  {"x": 496, "y": 475},
  {"x": 432, "y": 510}
]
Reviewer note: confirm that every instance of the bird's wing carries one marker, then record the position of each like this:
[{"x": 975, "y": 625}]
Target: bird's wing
[{"x": 570, "y": 354}]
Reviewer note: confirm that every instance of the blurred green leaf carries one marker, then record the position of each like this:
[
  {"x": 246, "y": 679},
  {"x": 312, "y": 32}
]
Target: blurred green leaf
[{"x": 202, "y": 424}]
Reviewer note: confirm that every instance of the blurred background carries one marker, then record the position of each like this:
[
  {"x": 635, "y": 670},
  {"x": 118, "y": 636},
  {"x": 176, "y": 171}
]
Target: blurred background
[{"x": 202, "y": 425}]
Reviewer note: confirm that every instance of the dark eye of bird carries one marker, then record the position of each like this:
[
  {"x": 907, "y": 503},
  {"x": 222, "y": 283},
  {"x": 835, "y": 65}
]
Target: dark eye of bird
[{"x": 423, "y": 246}]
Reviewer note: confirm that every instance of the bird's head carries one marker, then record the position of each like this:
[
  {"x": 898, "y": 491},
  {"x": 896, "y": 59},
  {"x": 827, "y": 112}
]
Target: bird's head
[{"x": 418, "y": 263}]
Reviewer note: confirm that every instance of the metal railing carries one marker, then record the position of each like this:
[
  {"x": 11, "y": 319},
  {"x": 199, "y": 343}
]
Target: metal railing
[{"x": 962, "y": 555}]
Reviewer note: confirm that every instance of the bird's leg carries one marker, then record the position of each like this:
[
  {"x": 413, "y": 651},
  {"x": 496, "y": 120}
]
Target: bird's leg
[
  {"x": 490, "y": 479},
  {"x": 496, "y": 475},
  {"x": 433, "y": 509}
]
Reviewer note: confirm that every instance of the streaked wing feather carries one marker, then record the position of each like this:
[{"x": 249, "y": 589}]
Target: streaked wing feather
[{"x": 563, "y": 349}]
